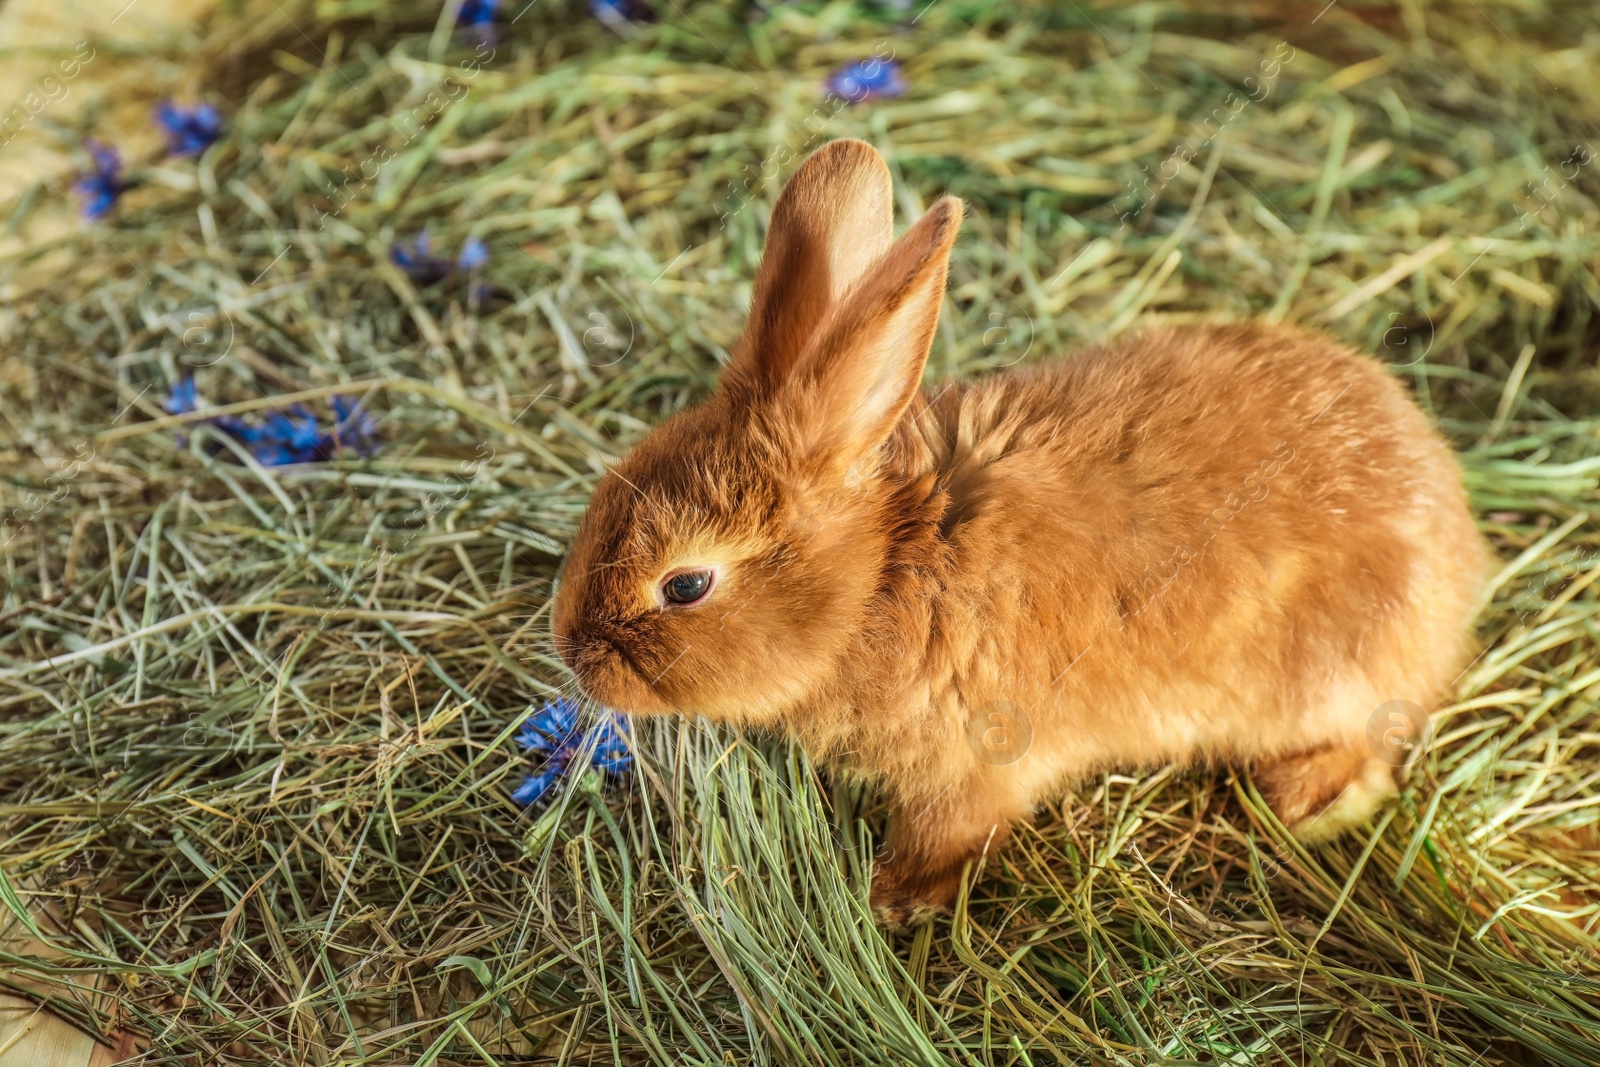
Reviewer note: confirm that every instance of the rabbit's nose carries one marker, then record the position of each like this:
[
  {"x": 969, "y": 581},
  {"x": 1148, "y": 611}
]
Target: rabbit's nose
[
  {"x": 608, "y": 675},
  {"x": 588, "y": 646}
]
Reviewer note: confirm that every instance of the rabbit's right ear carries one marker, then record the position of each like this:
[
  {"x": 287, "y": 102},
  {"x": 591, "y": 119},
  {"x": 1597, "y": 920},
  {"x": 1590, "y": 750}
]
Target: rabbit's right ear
[{"x": 833, "y": 220}]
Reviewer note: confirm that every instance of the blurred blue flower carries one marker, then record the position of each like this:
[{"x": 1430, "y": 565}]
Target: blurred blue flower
[
  {"x": 474, "y": 254},
  {"x": 355, "y": 420},
  {"x": 104, "y": 184},
  {"x": 190, "y": 130},
  {"x": 554, "y": 733},
  {"x": 477, "y": 12},
  {"x": 184, "y": 398},
  {"x": 868, "y": 79},
  {"x": 415, "y": 257},
  {"x": 478, "y": 16},
  {"x": 295, "y": 437}
]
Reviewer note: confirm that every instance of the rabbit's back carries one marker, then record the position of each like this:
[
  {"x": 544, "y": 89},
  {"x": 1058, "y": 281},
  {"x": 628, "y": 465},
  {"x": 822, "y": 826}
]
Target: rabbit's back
[{"x": 1222, "y": 542}]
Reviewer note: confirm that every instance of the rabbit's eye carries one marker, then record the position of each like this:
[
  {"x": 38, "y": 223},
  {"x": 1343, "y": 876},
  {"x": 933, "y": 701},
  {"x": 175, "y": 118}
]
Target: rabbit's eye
[{"x": 687, "y": 587}]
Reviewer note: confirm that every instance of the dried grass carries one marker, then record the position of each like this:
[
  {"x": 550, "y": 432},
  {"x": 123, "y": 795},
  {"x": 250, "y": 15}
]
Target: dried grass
[{"x": 256, "y": 721}]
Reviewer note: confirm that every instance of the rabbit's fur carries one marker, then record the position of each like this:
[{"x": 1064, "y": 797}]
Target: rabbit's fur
[{"x": 1228, "y": 543}]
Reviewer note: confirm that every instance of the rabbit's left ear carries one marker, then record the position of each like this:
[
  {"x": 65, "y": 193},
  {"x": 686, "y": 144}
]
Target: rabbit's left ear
[
  {"x": 857, "y": 377},
  {"x": 832, "y": 221}
]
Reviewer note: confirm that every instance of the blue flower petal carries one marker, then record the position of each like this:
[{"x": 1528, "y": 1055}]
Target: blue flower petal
[
  {"x": 238, "y": 429},
  {"x": 100, "y": 200},
  {"x": 190, "y": 130},
  {"x": 473, "y": 255},
  {"x": 551, "y": 729},
  {"x": 614, "y": 764},
  {"x": 183, "y": 399},
  {"x": 414, "y": 256},
  {"x": 280, "y": 441},
  {"x": 270, "y": 455},
  {"x": 535, "y": 786},
  {"x": 477, "y": 12},
  {"x": 868, "y": 79},
  {"x": 105, "y": 159},
  {"x": 554, "y": 732},
  {"x": 610, "y": 738},
  {"x": 354, "y": 430},
  {"x": 282, "y": 438},
  {"x": 103, "y": 185}
]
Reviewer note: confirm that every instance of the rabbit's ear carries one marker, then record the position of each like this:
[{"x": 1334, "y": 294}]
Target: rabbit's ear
[
  {"x": 859, "y": 375},
  {"x": 833, "y": 220}
]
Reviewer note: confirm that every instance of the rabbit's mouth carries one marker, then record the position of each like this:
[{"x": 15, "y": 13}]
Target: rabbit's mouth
[{"x": 609, "y": 675}]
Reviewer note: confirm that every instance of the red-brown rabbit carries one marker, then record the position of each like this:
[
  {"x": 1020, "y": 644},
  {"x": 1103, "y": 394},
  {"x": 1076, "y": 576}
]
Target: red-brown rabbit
[{"x": 1228, "y": 543}]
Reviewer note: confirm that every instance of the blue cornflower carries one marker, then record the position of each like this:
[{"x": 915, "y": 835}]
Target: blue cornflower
[
  {"x": 284, "y": 439},
  {"x": 478, "y": 17},
  {"x": 474, "y": 254},
  {"x": 554, "y": 733},
  {"x": 610, "y": 739},
  {"x": 295, "y": 437},
  {"x": 102, "y": 186},
  {"x": 355, "y": 422},
  {"x": 535, "y": 786},
  {"x": 477, "y": 12},
  {"x": 416, "y": 258},
  {"x": 413, "y": 255},
  {"x": 867, "y": 79},
  {"x": 551, "y": 729},
  {"x": 184, "y": 398},
  {"x": 190, "y": 130}
]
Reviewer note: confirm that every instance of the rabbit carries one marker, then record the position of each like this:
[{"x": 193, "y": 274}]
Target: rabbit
[{"x": 1226, "y": 544}]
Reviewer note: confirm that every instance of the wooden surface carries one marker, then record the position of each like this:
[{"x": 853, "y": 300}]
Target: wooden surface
[
  {"x": 109, "y": 95},
  {"x": 32, "y": 1037},
  {"x": 136, "y": 48}
]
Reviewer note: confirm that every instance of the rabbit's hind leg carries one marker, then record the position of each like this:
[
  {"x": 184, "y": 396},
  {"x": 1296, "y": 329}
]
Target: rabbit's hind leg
[{"x": 1321, "y": 793}]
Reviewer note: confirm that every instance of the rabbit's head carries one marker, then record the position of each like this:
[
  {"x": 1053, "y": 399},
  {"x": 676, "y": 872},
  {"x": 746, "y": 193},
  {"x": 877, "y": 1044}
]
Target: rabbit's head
[{"x": 730, "y": 558}]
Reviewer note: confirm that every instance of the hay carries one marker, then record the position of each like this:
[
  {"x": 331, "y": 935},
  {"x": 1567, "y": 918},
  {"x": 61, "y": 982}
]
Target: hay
[{"x": 255, "y": 722}]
